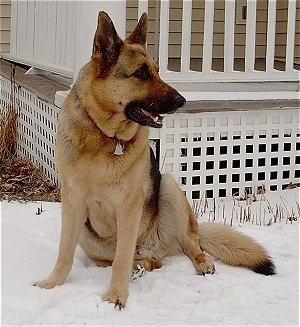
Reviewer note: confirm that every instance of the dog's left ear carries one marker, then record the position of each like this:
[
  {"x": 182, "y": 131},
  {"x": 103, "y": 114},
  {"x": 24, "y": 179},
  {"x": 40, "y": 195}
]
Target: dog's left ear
[
  {"x": 139, "y": 35},
  {"x": 107, "y": 43}
]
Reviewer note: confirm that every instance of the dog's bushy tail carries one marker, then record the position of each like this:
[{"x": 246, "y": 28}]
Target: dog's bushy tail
[{"x": 234, "y": 248}]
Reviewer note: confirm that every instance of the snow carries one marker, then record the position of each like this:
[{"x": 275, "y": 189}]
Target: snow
[{"x": 172, "y": 295}]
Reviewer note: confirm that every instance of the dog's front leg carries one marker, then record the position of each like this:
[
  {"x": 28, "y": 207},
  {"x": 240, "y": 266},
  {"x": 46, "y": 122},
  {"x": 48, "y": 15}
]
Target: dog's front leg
[
  {"x": 74, "y": 213},
  {"x": 128, "y": 222}
]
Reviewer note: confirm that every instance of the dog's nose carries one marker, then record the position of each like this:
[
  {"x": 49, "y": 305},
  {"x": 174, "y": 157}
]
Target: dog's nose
[{"x": 179, "y": 100}]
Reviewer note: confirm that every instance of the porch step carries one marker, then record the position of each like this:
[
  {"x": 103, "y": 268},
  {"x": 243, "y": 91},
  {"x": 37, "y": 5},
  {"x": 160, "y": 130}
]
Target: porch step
[
  {"x": 247, "y": 91},
  {"x": 238, "y": 105},
  {"x": 250, "y": 91},
  {"x": 238, "y": 86}
]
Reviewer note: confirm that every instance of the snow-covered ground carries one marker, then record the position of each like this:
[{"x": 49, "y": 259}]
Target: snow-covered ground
[{"x": 172, "y": 295}]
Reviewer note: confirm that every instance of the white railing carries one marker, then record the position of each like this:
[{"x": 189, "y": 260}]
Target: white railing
[
  {"x": 228, "y": 73},
  {"x": 57, "y": 36}
]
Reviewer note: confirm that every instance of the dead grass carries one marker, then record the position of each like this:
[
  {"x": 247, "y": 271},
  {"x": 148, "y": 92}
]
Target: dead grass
[
  {"x": 261, "y": 209},
  {"x": 21, "y": 181},
  {"x": 8, "y": 120},
  {"x": 7, "y": 132}
]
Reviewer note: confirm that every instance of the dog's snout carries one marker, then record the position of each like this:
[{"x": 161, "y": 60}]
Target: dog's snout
[{"x": 179, "y": 100}]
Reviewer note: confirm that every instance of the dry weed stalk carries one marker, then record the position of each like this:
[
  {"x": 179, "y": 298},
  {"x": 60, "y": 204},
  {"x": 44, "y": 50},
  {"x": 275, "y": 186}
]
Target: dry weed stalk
[
  {"x": 8, "y": 121},
  {"x": 7, "y": 132},
  {"x": 245, "y": 210}
]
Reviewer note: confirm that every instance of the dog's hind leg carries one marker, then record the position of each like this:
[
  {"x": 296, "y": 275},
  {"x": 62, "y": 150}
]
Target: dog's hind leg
[
  {"x": 74, "y": 213},
  {"x": 149, "y": 264},
  {"x": 179, "y": 224},
  {"x": 191, "y": 247},
  {"x": 101, "y": 263}
]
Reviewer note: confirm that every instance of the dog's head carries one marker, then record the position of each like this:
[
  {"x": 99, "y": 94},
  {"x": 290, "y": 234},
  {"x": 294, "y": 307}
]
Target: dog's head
[{"x": 125, "y": 74}]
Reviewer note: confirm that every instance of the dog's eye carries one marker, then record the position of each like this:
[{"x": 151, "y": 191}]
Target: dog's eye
[{"x": 142, "y": 73}]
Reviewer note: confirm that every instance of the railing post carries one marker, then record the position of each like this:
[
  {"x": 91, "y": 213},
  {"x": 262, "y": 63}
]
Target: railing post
[
  {"x": 271, "y": 35},
  {"x": 208, "y": 36},
  {"x": 164, "y": 36},
  {"x": 229, "y": 36},
  {"x": 290, "y": 39},
  {"x": 186, "y": 35},
  {"x": 156, "y": 31},
  {"x": 250, "y": 36}
]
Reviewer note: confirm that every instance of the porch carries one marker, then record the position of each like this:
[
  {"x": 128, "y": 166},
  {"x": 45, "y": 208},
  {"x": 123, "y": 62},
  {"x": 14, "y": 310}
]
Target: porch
[{"x": 206, "y": 49}]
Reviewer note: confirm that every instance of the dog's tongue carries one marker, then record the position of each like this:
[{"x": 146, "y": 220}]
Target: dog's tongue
[{"x": 155, "y": 117}]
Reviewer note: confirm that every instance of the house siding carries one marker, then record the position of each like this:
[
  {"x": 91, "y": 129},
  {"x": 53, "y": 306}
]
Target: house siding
[
  {"x": 297, "y": 37},
  {"x": 4, "y": 25}
]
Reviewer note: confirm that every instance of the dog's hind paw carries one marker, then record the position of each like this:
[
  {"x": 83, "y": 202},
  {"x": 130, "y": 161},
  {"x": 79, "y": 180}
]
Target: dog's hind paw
[
  {"x": 204, "y": 265},
  {"x": 138, "y": 273}
]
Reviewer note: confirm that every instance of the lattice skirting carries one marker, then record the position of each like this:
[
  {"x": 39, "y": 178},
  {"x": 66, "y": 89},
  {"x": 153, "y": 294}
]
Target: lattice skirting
[
  {"x": 36, "y": 126},
  {"x": 220, "y": 153},
  {"x": 228, "y": 153}
]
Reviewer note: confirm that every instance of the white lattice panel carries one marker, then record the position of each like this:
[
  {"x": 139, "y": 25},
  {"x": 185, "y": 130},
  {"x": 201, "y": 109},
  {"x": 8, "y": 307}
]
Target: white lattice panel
[
  {"x": 5, "y": 92},
  {"x": 36, "y": 127},
  {"x": 223, "y": 153}
]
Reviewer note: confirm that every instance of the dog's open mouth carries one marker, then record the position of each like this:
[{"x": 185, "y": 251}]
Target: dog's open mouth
[{"x": 144, "y": 117}]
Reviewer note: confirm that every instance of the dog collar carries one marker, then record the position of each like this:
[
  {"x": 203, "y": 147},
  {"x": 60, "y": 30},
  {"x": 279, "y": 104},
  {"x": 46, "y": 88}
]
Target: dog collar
[{"x": 120, "y": 145}]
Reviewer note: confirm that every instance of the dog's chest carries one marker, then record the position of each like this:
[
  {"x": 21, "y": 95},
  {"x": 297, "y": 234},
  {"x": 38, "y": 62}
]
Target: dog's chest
[
  {"x": 102, "y": 218},
  {"x": 109, "y": 202}
]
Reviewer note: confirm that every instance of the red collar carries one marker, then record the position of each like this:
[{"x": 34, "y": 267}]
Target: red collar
[{"x": 120, "y": 145}]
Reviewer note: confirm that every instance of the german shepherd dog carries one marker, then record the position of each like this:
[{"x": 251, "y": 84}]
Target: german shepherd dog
[{"x": 115, "y": 203}]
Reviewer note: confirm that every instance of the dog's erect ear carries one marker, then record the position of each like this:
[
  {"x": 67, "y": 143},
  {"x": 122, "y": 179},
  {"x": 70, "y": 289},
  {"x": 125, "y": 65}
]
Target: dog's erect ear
[
  {"x": 107, "y": 43},
  {"x": 139, "y": 35}
]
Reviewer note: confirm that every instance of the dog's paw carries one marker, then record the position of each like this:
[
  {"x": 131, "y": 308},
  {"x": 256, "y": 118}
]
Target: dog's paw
[
  {"x": 206, "y": 266},
  {"x": 117, "y": 297},
  {"x": 137, "y": 273},
  {"x": 45, "y": 284}
]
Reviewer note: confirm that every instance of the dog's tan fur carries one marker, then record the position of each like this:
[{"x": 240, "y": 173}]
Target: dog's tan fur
[{"x": 117, "y": 207}]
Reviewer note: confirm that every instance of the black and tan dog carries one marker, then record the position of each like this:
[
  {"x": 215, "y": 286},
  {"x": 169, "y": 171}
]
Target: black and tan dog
[{"x": 115, "y": 203}]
